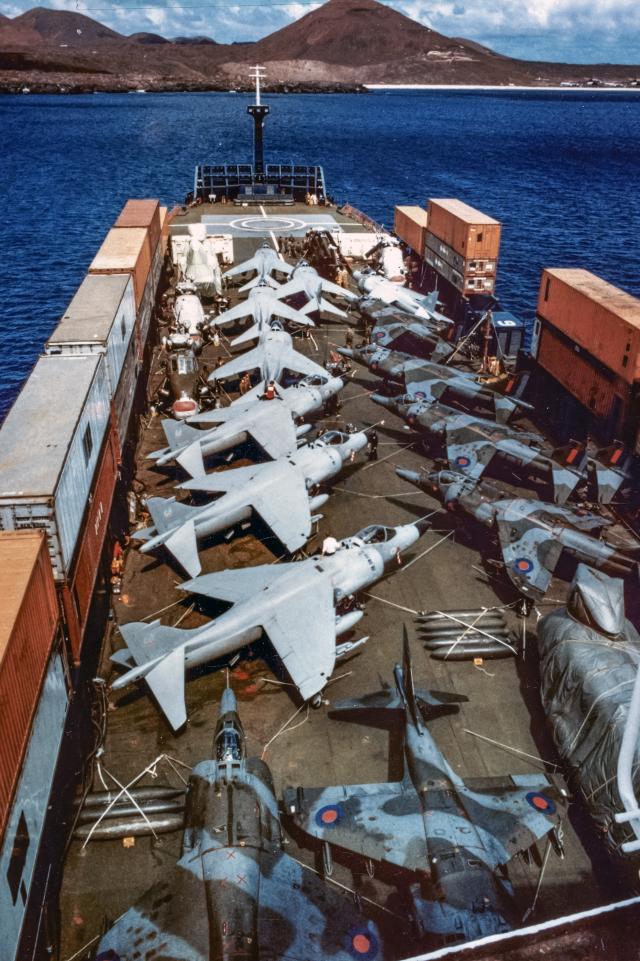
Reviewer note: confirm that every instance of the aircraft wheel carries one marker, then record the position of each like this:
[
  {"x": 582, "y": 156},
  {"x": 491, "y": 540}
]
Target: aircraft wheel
[{"x": 316, "y": 700}]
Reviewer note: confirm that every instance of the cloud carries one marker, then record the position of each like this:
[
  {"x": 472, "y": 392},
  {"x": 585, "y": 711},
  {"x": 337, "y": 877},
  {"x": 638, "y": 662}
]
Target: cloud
[{"x": 577, "y": 30}]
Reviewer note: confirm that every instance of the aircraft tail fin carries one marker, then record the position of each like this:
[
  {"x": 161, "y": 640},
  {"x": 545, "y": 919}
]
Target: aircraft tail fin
[
  {"x": 610, "y": 469},
  {"x": 178, "y": 433},
  {"x": 158, "y": 652},
  {"x": 168, "y": 512},
  {"x": 191, "y": 460},
  {"x": 569, "y": 463},
  {"x": 422, "y": 705}
]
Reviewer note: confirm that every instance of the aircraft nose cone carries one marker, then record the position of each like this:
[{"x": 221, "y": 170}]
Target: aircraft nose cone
[
  {"x": 345, "y": 352},
  {"x": 423, "y": 525},
  {"x": 387, "y": 402},
  {"x": 412, "y": 476},
  {"x": 228, "y": 701}
]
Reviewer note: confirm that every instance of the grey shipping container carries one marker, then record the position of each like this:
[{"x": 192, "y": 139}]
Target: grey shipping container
[
  {"x": 123, "y": 400},
  {"x": 99, "y": 320},
  {"x": 49, "y": 446}
]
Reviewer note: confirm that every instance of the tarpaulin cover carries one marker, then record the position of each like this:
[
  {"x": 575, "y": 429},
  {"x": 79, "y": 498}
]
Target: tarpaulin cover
[{"x": 589, "y": 655}]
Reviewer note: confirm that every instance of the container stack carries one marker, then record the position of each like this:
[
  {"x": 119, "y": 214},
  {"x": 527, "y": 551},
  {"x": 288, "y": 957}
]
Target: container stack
[
  {"x": 62, "y": 442},
  {"x": 410, "y": 225},
  {"x": 586, "y": 342},
  {"x": 33, "y": 708},
  {"x": 462, "y": 245}
]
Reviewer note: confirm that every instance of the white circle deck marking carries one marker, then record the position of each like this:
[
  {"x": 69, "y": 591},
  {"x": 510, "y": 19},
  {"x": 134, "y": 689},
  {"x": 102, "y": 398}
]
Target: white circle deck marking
[{"x": 260, "y": 224}]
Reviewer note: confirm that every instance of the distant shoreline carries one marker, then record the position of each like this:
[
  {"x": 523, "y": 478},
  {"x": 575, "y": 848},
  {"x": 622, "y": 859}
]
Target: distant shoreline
[{"x": 497, "y": 86}]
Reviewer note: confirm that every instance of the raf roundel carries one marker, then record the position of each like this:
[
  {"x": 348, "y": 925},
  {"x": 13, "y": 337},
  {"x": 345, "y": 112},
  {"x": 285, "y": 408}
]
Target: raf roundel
[
  {"x": 329, "y": 816},
  {"x": 523, "y": 565},
  {"x": 420, "y": 395},
  {"x": 362, "y": 943},
  {"x": 540, "y": 802},
  {"x": 462, "y": 461}
]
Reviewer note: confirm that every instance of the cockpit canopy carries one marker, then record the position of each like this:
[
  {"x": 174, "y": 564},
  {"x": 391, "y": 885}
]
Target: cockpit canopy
[
  {"x": 376, "y": 534},
  {"x": 332, "y": 438}
]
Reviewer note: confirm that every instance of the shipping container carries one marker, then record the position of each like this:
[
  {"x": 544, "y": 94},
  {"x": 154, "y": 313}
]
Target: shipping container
[
  {"x": 29, "y": 626},
  {"x": 125, "y": 250},
  {"x": 410, "y": 225},
  {"x": 594, "y": 388},
  {"x": 595, "y": 315},
  {"x": 76, "y": 592},
  {"x": 99, "y": 320},
  {"x": 50, "y": 444},
  {"x": 143, "y": 213},
  {"x": 164, "y": 230},
  {"x": 466, "y": 230},
  {"x": 126, "y": 392},
  {"x": 444, "y": 269},
  {"x": 20, "y": 847}
]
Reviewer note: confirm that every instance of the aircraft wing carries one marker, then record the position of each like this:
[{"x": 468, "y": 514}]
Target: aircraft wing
[
  {"x": 329, "y": 287},
  {"x": 383, "y": 822},
  {"x": 310, "y": 655},
  {"x": 280, "y": 497},
  {"x": 293, "y": 286},
  {"x": 252, "y": 264},
  {"x": 302, "y": 917},
  {"x": 236, "y": 585},
  {"x": 530, "y": 554},
  {"x": 512, "y": 813},
  {"x": 288, "y": 313},
  {"x": 294, "y": 360},
  {"x": 160, "y": 922},
  {"x": 248, "y": 361},
  {"x": 421, "y": 387},
  {"x": 291, "y": 595},
  {"x": 243, "y": 309},
  {"x": 467, "y": 453},
  {"x": 275, "y": 434}
]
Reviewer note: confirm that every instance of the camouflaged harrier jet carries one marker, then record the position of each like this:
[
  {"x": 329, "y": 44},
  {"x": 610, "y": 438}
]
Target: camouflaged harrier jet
[
  {"x": 424, "y": 380},
  {"x": 449, "y": 835},
  {"x": 234, "y": 892},
  {"x": 532, "y": 535},
  {"x": 265, "y": 261},
  {"x": 471, "y": 444}
]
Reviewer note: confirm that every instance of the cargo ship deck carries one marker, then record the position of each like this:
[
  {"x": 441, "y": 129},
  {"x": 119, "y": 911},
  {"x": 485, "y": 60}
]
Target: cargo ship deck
[{"x": 501, "y": 729}]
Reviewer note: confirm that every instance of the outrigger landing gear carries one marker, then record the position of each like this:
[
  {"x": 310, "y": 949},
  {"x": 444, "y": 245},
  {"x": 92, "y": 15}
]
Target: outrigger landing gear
[{"x": 316, "y": 700}]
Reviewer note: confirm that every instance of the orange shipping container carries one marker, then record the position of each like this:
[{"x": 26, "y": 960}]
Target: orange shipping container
[
  {"x": 579, "y": 377},
  {"x": 125, "y": 250},
  {"x": 596, "y": 315},
  {"x": 142, "y": 213},
  {"x": 466, "y": 230},
  {"x": 410, "y": 225},
  {"x": 29, "y": 621}
]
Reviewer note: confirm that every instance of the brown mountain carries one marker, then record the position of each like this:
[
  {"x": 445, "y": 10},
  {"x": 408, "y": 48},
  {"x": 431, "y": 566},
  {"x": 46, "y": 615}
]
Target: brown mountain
[
  {"x": 355, "y": 33},
  {"x": 63, "y": 27},
  {"x": 343, "y": 42}
]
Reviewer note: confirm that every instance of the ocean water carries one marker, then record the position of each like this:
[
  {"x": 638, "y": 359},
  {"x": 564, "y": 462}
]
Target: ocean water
[{"x": 560, "y": 170}]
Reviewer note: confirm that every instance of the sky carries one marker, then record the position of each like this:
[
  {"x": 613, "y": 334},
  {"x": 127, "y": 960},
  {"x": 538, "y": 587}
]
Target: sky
[{"x": 578, "y": 31}]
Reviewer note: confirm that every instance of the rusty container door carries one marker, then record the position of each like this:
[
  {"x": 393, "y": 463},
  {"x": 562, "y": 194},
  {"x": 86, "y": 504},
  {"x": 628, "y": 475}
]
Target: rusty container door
[{"x": 29, "y": 624}]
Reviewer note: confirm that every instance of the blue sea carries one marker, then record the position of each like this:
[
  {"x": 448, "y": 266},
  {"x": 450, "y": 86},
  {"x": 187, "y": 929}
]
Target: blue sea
[{"x": 559, "y": 169}]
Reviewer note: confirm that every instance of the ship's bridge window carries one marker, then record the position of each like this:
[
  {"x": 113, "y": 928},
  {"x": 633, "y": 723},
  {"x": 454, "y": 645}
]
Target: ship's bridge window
[{"x": 377, "y": 534}]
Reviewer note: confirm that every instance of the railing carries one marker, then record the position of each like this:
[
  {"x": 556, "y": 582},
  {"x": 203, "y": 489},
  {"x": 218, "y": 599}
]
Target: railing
[{"x": 295, "y": 180}]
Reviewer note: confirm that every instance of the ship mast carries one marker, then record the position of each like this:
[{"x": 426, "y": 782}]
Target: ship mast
[{"x": 258, "y": 111}]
